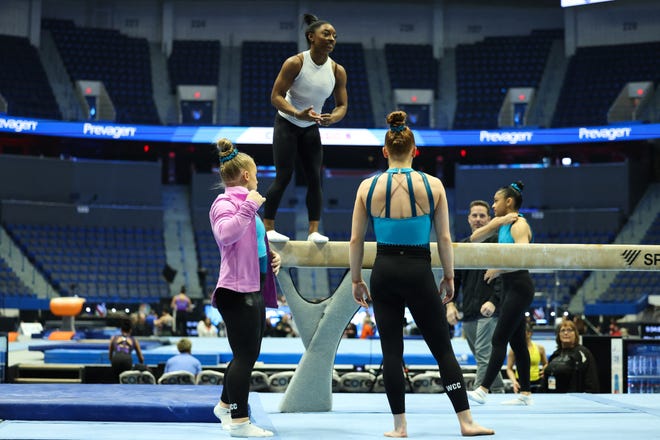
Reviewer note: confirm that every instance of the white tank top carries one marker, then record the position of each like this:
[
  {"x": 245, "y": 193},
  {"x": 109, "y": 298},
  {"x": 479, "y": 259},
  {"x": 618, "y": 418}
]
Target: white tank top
[{"x": 313, "y": 85}]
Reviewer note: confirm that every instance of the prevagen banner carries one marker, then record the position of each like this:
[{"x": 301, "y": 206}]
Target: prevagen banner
[{"x": 329, "y": 136}]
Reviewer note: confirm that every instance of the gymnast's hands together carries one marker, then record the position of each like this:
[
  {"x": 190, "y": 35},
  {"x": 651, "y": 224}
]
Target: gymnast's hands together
[{"x": 361, "y": 293}]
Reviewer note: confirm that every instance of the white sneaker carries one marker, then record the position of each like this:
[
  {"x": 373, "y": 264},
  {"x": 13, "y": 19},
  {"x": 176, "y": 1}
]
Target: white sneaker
[
  {"x": 477, "y": 396},
  {"x": 520, "y": 400},
  {"x": 247, "y": 429},
  {"x": 224, "y": 415},
  {"x": 317, "y": 238},
  {"x": 276, "y": 237}
]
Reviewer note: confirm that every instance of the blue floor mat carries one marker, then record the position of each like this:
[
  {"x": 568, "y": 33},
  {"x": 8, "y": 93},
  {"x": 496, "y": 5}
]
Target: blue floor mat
[{"x": 115, "y": 403}]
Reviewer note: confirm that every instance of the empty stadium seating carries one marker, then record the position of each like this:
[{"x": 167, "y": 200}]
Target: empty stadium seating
[
  {"x": 194, "y": 62},
  {"x": 487, "y": 69},
  {"x": 596, "y": 75},
  {"x": 23, "y": 81},
  {"x": 260, "y": 64},
  {"x": 11, "y": 287},
  {"x": 351, "y": 57},
  {"x": 632, "y": 287},
  {"x": 99, "y": 263},
  {"x": 411, "y": 66},
  {"x": 120, "y": 62}
]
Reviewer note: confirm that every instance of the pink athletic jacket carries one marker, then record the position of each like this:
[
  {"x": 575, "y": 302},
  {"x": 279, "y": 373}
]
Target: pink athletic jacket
[{"x": 233, "y": 222}]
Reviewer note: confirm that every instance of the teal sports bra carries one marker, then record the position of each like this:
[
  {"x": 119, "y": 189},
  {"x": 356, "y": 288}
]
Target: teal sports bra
[{"x": 411, "y": 231}]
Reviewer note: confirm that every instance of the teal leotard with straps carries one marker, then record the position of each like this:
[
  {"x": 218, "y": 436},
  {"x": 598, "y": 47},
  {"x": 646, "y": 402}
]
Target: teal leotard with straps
[{"x": 410, "y": 231}]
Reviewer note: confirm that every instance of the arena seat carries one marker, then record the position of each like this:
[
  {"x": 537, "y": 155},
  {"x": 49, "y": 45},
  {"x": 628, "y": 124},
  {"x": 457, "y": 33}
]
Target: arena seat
[
  {"x": 336, "y": 385},
  {"x": 357, "y": 382},
  {"x": 379, "y": 385},
  {"x": 146, "y": 377},
  {"x": 210, "y": 377},
  {"x": 177, "y": 378},
  {"x": 136, "y": 377},
  {"x": 428, "y": 382},
  {"x": 279, "y": 382},
  {"x": 259, "y": 381}
]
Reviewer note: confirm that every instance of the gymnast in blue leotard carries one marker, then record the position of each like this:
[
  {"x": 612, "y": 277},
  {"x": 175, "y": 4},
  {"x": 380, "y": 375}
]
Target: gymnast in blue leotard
[
  {"x": 403, "y": 206},
  {"x": 517, "y": 290}
]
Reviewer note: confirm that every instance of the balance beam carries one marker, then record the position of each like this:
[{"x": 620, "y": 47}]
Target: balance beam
[{"x": 626, "y": 257}]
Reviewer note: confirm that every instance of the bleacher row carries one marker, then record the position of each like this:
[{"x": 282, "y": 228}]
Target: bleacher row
[
  {"x": 100, "y": 263},
  {"x": 484, "y": 70},
  {"x": 350, "y": 382}
]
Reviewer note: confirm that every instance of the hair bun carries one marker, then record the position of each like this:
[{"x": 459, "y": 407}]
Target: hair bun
[
  {"x": 518, "y": 186},
  {"x": 226, "y": 150},
  {"x": 310, "y": 18},
  {"x": 397, "y": 118}
]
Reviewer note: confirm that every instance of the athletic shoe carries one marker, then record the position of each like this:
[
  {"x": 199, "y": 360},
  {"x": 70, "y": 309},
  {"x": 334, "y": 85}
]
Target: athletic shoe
[
  {"x": 520, "y": 400},
  {"x": 317, "y": 238},
  {"x": 247, "y": 429},
  {"x": 224, "y": 415},
  {"x": 477, "y": 396},
  {"x": 276, "y": 237}
]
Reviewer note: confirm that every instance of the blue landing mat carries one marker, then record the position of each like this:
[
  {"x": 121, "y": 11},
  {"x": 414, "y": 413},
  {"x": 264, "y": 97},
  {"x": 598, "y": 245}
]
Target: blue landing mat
[{"x": 115, "y": 403}]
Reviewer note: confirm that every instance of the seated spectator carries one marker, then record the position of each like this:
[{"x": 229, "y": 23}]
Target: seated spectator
[
  {"x": 572, "y": 367},
  {"x": 283, "y": 329},
  {"x": 368, "y": 330},
  {"x": 206, "y": 329},
  {"x": 184, "y": 360},
  {"x": 140, "y": 327},
  {"x": 164, "y": 326},
  {"x": 350, "y": 331}
]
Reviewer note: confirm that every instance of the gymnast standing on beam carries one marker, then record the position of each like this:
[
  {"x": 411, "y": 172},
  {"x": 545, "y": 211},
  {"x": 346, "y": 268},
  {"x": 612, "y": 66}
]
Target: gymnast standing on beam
[
  {"x": 305, "y": 81},
  {"x": 403, "y": 205},
  {"x": 517, "y": 291},
  {"x": 246, "y": 283}
]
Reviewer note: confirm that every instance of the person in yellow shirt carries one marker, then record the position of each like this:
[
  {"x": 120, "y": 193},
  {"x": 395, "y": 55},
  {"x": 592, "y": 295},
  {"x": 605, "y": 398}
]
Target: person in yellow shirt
[{"x": 537, "y": 361}]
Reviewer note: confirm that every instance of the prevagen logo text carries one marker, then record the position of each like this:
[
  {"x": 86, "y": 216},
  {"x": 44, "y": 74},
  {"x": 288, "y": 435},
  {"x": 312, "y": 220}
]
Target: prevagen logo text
[
  {"x": 18, "y": 125},
  {"x": 509, "y": 137},
  {"x": 113, "y": 131},
  {"x": 610, "y": 134}
]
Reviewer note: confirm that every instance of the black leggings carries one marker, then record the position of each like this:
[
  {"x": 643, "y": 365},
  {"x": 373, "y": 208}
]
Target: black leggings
[
  {"x": 401, "y": 277},
  {"x": 518, "y": 292},
  {"x": 244, "y": 317},
  {"x": 290, "y": 141},
  {"x": 121, "y": 362}
]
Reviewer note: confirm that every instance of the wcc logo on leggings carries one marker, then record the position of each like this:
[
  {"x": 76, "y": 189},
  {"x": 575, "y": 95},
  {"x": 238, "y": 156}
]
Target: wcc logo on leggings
[{"x": 631, "y": 255}]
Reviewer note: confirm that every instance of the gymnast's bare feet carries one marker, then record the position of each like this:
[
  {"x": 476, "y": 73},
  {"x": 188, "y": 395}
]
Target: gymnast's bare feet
[
  {"x": 469, "y": 428},
  {"x": 400, "y": 427}
]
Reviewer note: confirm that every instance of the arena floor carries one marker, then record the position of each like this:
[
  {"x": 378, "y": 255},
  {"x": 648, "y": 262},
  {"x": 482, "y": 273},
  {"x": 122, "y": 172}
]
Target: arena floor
[{"x": 366, "y": 416}]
